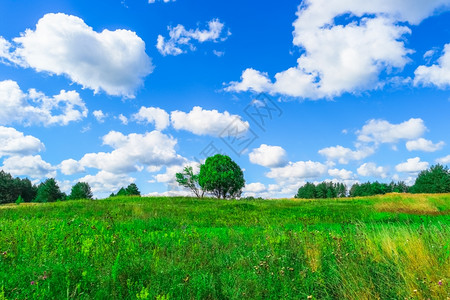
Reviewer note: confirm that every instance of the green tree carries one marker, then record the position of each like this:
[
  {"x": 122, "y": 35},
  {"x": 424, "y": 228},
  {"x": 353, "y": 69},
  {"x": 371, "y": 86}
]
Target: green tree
[
  {"x": 436, "y": 179},
  {"x": 49, "y": 191},
  {"x": 222, "y": 177},
  {"x": 81, "y": 190},
  {"x": 308, "y": 191},
  {"x": 132, "y": 190},
  {"x": 189, "y": 180},
  {"x": 122, "y": 192}
]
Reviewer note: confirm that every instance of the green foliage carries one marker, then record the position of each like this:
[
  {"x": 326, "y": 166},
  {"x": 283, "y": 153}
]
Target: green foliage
[
  {"x": 322, "y": 191},
  {"x": 189, "y": 180},
  {"x": 221, "y": 177},
  {"x": 433, "y": 180},
  {"x": 382, "y": 247},
  {"x": 376, "y": 188},
  {"x": 132, "y": 190},
  {"x": 81, "y": 190},
  {"x": 11, "y": 188},
  {"x": 49, "y": 191},
  {"x": 19, "y": 200}
]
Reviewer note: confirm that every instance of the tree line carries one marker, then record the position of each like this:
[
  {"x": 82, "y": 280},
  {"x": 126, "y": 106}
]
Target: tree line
[
  {"x": 436, "y": 179},
  {"x": 17, "y": 190}
]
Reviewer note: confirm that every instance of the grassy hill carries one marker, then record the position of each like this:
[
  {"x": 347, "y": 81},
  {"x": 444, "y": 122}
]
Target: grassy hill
[{"x": 389, "y": 247}]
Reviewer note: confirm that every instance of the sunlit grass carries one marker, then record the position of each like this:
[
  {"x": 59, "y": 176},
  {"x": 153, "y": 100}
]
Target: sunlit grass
[{"x": 388, "y": 247}]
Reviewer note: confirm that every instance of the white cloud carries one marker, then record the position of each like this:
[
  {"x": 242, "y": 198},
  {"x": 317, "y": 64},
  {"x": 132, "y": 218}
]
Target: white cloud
[
  {"x": 438, "y": 74},
  {"x": 132, "y": 152},
  {"x": 423, "y": 145},
  {"x": 255, "y": 187},
  {"x": 103, "y": 183},
  {"x": 298, "y": 170},
  {"x": 153, "y": 115},
  {"x": 99, "y": 115},
  {"x": 268, "y": 156},
  {"x": 110, "y": 61},
  {"x": 123, "y": 119},
  {"x": 15, "y": 143},
  {"x": 342, "y": 174},
  {"x": 165, "y": 1},
  {"x": 207, "y": 122},
  {"x": 345, "y": 155},
  {"x": 36, "y": 108},
  {"x": 218, "y": 53},
  {"x": 32, "y": 166},
  {"x": 70, "y": 167},
  {"x": 180, "y": 38},
  {"x": 356, "y": 53},
  {"x": 412, "y": 165},
  {"x": 371, "y": 170},
  {"x": 443, "y": 160},
  {"x": 381, "y": 131}
]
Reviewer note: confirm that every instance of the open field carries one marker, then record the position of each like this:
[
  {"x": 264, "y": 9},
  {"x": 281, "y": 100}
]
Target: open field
[{"x": 388, "y": 247}]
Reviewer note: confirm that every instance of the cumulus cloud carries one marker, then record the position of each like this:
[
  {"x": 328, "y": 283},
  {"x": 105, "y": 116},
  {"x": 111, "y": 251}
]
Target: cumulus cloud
[
  {"x": 15, "y": 143},
  {"x": 436, "y": 75},
  {"x": 443, "y": 160},
  {"x": 36, "y": 108},
  {"x": 207, "y": 122},
  {"x": 180, "y": 38},
  {"x": 412, "y": 165},
  {"x": 99, "y": 115},
  {"x": 297, "y": 171},
  {"x": 342, "y": 174},
  {"x": 32, "y": 166},
  {"x": 133, "y": 152},
  {"x": 370, "y": 44},
  {"x": 104, "y": 183},
  {"x": 381, "y": 131},
  {"x": 345, "y": 155},
  {"x": 255, "y": 187},
  {"x": 371, "y": 170},
  {"x": 123, "y": 119},
  {"x": 424, "y": 145},
  {"x": 153, "y": 115},
  {"x": 268, "y": 156},
  {"x": 111, "y": 61},
  {"x": 70, "y": 167}
]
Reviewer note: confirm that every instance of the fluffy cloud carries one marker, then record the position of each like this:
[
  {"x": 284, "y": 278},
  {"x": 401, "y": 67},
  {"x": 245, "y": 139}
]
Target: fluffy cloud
[
  {"x": 345, "y": 155},
  {"x": 381, "y": 131},
  {"x": 297, "y": 171},
  {"x": 104, "y": 183},
  {"x": 207, "y": 122},
  {"x": 32, "y": 166},
  {"x": 123, "y": 119},
  {"x": 36, "y": 108},
  {"x": 15, "y": 143},
  {"x": 361, "y": 49},
  {"x": 181, "y": 38},
  {"x": 443, "y": 160},
  {"x": 256, "y": 187},
  {"x": 438, "y": 74},
  {"x": 132, "y": 152},
  {"x": 268, "y": 156},
  {"x": 412, "y": 165},
  {"x": 99, "y": 115},
  {"x": 342, "y": 174},
  {"x": 153, "y": 115},
  {"x": 70, "y": 167},
  {"x": 371, "y": 170},
  {"x": 111, "y": 61},
  {"x": 423, "y": 145}
]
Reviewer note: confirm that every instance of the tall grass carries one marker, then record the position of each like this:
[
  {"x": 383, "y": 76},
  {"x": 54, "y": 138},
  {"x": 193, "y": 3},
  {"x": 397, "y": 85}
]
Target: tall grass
[{"x": 387, "y": 247}]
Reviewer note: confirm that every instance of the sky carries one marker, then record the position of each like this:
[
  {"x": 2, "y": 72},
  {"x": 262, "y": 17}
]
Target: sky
[{"x": 116, "y": 92}]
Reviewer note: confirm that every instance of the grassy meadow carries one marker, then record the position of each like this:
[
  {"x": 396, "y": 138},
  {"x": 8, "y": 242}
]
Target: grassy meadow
[{"x": 383, "y": 247}]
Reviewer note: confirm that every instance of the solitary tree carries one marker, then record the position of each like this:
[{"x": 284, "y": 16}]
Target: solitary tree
[
  {"x": 132, "y": 190},
  {"x": 81, "y": 190},
  {"x": 189, "y": 180},
  {"x": 49, "y": 191},
  {"x": 222, "y": 177}
]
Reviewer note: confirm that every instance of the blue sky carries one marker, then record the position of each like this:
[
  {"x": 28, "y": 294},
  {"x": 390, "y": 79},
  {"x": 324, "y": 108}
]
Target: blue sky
[{"x": 131, "y": 91}]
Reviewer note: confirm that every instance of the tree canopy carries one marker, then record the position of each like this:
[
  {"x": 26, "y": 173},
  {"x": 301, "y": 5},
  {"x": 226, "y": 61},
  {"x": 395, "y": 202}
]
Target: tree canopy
[
  {"x": 189, "y": 180},
  {"x": 222, "y": 177},
  {"x": 81, "y": 190},
  {"x": 436, "y": 179},
  {"x": 49, "y": 191}
]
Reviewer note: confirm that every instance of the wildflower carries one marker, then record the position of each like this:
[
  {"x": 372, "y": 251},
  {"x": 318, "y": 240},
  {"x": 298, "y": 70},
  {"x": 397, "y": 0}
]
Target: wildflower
[
  {"x": 32, "y": 282},
  {"x": 440, "y": 282},
  {"x": 309, "y": 297}
]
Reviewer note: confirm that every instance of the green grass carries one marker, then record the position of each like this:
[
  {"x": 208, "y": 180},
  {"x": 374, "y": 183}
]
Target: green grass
[{"x": 387, "y": 247}]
